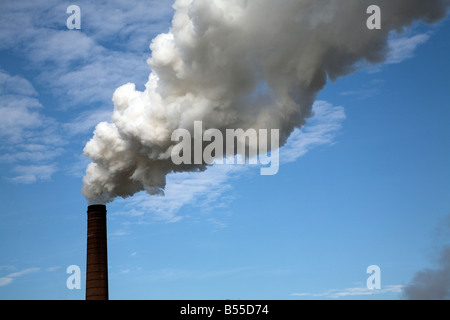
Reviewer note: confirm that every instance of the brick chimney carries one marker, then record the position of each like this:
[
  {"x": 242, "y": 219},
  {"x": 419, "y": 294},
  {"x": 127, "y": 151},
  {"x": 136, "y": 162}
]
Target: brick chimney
[{"x": 97, "y": 254}]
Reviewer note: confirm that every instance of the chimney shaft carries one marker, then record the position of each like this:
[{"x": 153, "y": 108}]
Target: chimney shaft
[{"x": 97, "y": 254}]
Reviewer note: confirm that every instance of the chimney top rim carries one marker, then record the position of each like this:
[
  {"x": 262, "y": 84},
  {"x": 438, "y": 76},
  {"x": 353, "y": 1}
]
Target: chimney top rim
[{"x": 97, "y": 207}]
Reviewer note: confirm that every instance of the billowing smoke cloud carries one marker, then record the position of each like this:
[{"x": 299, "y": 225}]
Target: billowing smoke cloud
[
  {"x": 433, "y": 283},
  {"x": 235, "y": 64}
]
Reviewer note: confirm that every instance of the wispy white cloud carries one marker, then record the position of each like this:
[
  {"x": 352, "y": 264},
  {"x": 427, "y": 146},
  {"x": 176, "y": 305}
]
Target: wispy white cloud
[
  {"x": 132, "y": 23},
  {"x": 86, "y": 121},
  {"x": 19, "y": 107},
  {"x": 15, "y": 85},
  {"x": 31, "y": 173},
  {"x": 62, "y": 48},
  {"x": 53, "y": 269},
  {"x": 94, "y": 81},
  {"x": 403, "y": 47},
  {"x": 87, "y": 65},
  {"x": 31, "y": 141},
  {"x": 16, "y": 120},
  {"x": 4, "y": 281},
  {"x": 39, "y": 153},
  {"x": 320, "y": 130},
  {"x": 352, "y": 292},
  {"x": 26, "y": 135},
  {"x": 201, "y": 189}
]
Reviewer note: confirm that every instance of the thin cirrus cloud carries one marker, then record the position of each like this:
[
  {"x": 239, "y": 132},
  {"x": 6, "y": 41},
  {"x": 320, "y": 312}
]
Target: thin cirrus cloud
[
  {"x": 32, "y": 142},
  {"x": 321, "y": 130},
  {"x": 403, "y": 48},
  {"x": 29, "y": 142},
  {"x": 8, "y": 279},
  {"x": 19, "y": 106},
  {"x": 196, "y": 189},
  {"x": 352, "y": 292},
  {"x": 29, "y": 174},
  {"x": 86, "y": 121},
  {"x": 86, "y": 65}
]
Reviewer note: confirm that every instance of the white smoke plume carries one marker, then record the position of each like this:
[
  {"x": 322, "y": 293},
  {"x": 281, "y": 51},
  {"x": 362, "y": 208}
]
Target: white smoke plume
[{"x": 236, "y": 64}]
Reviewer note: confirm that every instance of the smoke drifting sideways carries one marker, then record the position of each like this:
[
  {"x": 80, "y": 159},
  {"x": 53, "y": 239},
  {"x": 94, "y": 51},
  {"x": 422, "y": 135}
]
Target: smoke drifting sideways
[
  {"x": 433, "y": 283},
  {"x": 236, "y": 64}
]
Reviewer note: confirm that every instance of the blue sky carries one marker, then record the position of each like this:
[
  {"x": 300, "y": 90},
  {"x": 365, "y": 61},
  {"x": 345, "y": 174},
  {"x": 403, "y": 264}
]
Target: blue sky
[{"x": 366, "y": 182}]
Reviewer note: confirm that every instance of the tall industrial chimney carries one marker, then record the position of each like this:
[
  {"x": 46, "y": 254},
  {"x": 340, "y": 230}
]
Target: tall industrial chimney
[{"x": 97, "y": 254}]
